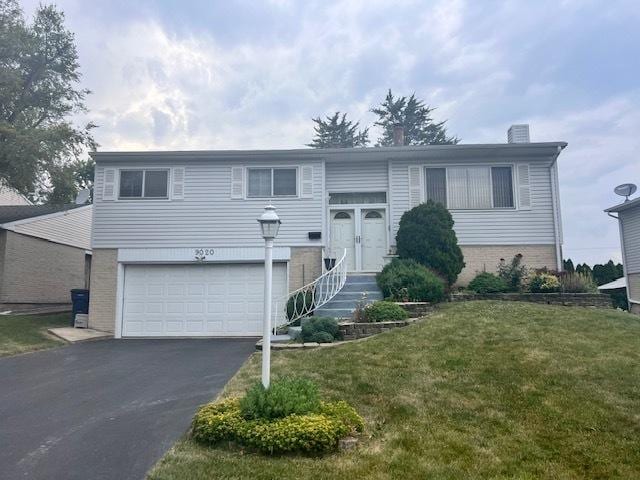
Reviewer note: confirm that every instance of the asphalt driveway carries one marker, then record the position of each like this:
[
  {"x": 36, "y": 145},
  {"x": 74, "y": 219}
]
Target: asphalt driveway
[{"x": 108, "y": 409}]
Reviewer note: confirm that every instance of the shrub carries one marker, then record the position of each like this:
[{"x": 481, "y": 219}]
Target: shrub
[
  {"x": 300, "y": 304},
  {"x": 403, "y": 280},
  {"x": 384, "y": 312},
  {"x": 313, "y": 325},
  {"x": 315, "y": 432},
  {"x": 486, "y": 282},
  {"x": 544, "y": 283},
  {"x": 321, "y": 337},
  {"x": 513, "y": 273},
  {"x": 425, "y": 234},
  {"x": 578, "y": 283},
  {"x": 285, "y": 396}
]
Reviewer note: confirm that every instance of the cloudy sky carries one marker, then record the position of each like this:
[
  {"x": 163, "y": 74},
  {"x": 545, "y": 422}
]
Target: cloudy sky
[{"x": 243, "y": 74}]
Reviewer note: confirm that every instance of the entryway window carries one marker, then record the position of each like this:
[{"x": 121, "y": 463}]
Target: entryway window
[
  {"x": 357, "y": 198},
  {"x": 272, "y": 182},
  {"x": 373, "y": 214},
  {"x": 144, "y": 183},
  {"x": 342, "y": 216}
]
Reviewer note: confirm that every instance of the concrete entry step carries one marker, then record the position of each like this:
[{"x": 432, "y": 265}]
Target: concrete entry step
[{"x": 75, "y": 335}]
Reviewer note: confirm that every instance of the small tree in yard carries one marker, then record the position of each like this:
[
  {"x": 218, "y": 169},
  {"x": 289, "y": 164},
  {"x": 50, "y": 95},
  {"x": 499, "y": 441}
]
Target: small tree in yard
[{"x": 426, "y": 235}]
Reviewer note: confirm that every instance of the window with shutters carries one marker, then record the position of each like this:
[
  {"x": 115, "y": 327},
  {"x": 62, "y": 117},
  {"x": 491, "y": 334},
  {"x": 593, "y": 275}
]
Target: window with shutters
[
  {"x": 272, "y": 182},
  {"x": 470, "y": 187},
  {"x": 145, "y": 183}
]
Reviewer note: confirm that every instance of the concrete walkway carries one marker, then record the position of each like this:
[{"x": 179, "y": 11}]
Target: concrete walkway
[
  {"x": 75, "y": 335},
  {"x": 108, "y": 409}
]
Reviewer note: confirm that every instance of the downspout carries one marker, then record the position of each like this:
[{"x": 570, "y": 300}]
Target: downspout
[
  {"x": 624, "y": 260},
  {"x": 555, "y": 202}
]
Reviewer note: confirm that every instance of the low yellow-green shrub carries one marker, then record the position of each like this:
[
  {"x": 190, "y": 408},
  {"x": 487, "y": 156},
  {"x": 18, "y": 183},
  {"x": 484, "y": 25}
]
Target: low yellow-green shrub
[{"x": 316, "y": 432}]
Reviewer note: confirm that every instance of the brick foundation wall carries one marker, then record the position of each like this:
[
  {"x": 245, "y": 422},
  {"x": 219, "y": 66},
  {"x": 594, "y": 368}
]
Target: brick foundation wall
[
  {"x": 569, "y": 299},
  {"x": 480, "y": 258},
  {"x": 305, "y": 266},
  {"x": 38, "y": 271},
  {"x": 102, "y": 301}
]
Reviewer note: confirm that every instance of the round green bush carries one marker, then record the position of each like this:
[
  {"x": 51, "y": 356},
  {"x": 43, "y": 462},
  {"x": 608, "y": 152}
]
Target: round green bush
[
  {"x": 425, "y": 234},
  {"x": 300, "y": 304},
  {"x": 402, "y": 280},
  {"x": 544, "y": 283},
  {"x": 285, "y": 396},
  {"x": 486, "y": 282},
  {"x": 316, "y": 432},
  {"x": 384, "y": 312},
  {"x": 321, "y": 337},
  {"x": 313, "y": 325}
]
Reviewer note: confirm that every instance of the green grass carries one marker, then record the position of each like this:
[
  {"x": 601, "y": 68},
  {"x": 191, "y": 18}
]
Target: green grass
[
  {"x": 478, "y": 390},
  {"x": 27, "y": 333}
]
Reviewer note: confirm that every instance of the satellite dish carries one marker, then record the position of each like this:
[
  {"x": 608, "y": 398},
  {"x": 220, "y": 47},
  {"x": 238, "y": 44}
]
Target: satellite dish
[
  {"x": 625, "y": 190},
  {"x": 82, "y": 197}
]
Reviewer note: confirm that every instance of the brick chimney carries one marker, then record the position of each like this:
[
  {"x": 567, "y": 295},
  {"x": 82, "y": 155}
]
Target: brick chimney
[
  {"x": 398, "y": 136},
  {"x": 518, "y": 134}
]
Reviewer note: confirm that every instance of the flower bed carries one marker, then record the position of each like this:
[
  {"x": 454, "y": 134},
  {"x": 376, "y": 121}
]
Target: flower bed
[{"x": 570, "y": 299}]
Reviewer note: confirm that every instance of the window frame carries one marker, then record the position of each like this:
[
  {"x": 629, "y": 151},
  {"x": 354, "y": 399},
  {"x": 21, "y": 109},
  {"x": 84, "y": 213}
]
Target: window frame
[
  {"x": 144, "y": 177},
  {"x": 446, "y": 167},
  {"x": 272, "y": 170}
]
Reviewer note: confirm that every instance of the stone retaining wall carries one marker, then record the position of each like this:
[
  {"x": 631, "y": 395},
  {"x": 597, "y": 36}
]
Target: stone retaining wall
[
  {"x": 416, "y": 309},
  {"x": 353, "y": 331},
  {"x": 569, "y": 299}
]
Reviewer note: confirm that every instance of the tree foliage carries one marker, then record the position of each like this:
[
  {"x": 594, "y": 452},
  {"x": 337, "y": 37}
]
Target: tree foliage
[
  {"x": 426, "y": 235},
  {"x": 337, "y": 132},
  {"x": 415, "y": 117},
  {"x": 39, "y": 92},
  {"x": 602, "y": 273}
]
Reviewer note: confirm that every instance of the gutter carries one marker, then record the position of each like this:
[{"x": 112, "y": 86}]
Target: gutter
[{"x": 555, "y": 201}]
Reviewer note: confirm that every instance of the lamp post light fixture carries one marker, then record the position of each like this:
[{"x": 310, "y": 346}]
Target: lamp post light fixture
[{"x": 269, "y": 224}]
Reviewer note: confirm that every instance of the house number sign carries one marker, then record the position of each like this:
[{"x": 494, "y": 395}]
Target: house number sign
[{"x": 201, "y": 254}]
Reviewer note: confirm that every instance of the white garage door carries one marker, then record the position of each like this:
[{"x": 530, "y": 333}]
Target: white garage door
[{"x": 197, "y": 300}]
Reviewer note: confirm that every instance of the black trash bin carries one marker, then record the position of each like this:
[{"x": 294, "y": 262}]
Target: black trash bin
[{"x": 80, "y": 302}]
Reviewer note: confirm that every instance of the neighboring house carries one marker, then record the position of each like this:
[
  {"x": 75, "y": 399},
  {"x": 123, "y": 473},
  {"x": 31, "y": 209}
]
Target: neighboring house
[
  {"x": 45, "y": 251},
  {"x": 628, "y": 216},
  {"x": 10, "y": 196},
  {"x": 177, "y": 249}
]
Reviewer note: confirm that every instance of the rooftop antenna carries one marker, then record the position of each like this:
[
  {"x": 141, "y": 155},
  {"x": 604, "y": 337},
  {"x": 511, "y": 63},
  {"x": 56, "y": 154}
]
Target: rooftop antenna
[
  {"x": 82, "y": 197},
  {"x": 625, "y": 190}
]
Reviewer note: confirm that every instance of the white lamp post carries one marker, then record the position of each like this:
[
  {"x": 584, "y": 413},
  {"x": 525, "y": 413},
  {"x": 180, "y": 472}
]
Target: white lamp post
[{"x": 269, "y": 223}]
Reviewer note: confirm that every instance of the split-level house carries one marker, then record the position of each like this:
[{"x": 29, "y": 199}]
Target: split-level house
[{"x": 177, "y": 250}]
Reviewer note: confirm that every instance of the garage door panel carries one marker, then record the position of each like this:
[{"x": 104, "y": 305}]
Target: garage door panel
[{"x": 197, "y": 300}]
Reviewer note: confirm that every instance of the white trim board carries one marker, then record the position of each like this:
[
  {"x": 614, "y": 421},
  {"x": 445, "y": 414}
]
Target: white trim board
[{"x": 211, "y": 255}]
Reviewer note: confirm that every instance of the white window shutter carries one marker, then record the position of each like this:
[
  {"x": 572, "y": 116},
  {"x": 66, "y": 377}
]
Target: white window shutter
[
  {"x": 415, "y": 186},
  {"x": 524, "y": 187},
  {"x": 237, "y": 182},
  {"x": 177, "y": 183},
  {"x": 109, "y": 184},
  {"x": 306, "y": 181}
]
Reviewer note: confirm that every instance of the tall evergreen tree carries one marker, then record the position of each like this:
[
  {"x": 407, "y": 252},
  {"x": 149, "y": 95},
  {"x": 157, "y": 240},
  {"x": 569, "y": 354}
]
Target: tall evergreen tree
[
  {"x": 568, "y": 266},
  {"x": 338, "y": 132},
  {"x": 39, "y": 92},
  {"x": 415, "y": 117}
]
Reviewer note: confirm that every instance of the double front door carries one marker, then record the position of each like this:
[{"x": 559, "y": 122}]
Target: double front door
[{"x": 363, "y": 233}]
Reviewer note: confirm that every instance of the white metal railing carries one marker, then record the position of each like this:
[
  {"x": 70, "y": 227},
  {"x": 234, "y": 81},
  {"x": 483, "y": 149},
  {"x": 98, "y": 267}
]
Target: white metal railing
[{"x": 306, "y": 299}]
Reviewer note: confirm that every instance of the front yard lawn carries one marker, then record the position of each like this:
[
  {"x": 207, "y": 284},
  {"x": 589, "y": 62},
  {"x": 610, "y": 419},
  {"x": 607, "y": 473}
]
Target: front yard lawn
[
  {"x": 478, "y": 390},
  {"x": 26, "y": 333}
]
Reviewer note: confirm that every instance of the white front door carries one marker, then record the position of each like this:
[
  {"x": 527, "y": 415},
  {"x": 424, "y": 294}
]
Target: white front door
[
  {"x": 194, "y": 300},
  {"x": 343, "y": 235},
  {"x": 363, "y": 233},
  {"x": 373, "y": 240}
]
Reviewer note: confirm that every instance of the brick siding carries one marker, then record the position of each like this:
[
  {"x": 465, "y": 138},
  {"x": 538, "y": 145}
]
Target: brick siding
[
  {"x": 305, "y": 266},
  {"x": 102, "y": 304}
]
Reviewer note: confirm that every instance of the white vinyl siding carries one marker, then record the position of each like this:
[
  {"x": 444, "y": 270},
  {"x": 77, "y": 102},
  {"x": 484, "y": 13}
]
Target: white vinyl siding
[
  {"x": 357, "y": 176},
  {"x": 499, "y": 226},
  {"x": 208, "y": 215},
  {"x": 631, "y": 233}
]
